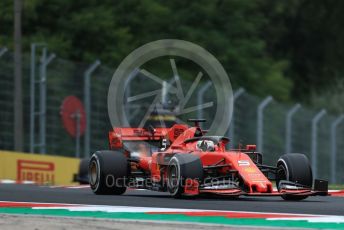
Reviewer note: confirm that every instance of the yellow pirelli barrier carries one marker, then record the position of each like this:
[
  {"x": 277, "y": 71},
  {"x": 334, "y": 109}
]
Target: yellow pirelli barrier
[{"x": 42, "y": 169}]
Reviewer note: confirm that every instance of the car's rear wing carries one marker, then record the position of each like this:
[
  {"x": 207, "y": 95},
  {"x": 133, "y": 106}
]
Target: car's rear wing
[{"x": 118, "y": 135}]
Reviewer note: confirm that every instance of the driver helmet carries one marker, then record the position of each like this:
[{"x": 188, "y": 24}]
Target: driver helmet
[{"x": 206, "y": 145}]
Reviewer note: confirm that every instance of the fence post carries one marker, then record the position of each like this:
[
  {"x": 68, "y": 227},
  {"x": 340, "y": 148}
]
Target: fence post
[
  {"x": 32, "y": 94},
  {"x": 77, "y": 117},
  {"x": 314, "y": 150},
  {"x": 260, "y": 121},
  {"x": 3, "y": 51},
  {"x": 200, "y": 95},
  {"x": 43, "y": 98},
  {"x": 127, "y": 90},
  {"x": 289, "y": 127},
  {"x": 236, "y": 95},
  {"x": 334, "y": 126},
  {"x": 127, "y": 85},
  {"x": 87, "y": 101}
]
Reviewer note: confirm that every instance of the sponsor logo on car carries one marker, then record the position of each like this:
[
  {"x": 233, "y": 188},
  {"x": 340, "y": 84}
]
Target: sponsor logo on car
[
  {"x": 243, "y": 163},
  {"x": 250, "y": 170}
]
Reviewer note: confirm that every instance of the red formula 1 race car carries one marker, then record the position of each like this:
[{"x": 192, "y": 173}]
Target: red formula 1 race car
[{"x": 186, "y": 162}]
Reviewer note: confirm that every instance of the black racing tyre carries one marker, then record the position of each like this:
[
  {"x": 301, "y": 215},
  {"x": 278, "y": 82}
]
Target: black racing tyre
[
  {"x": 180, "y": 168},
  {"x": 108, "y": 171},
  {"x": 294, "y": 167}
]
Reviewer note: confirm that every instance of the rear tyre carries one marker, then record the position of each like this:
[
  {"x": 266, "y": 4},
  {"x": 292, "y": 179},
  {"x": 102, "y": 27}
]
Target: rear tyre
[
  {"x": 108, "y": 171},
  {"x": 182, "y": 167},
  {"x": 294, "y": 167}
]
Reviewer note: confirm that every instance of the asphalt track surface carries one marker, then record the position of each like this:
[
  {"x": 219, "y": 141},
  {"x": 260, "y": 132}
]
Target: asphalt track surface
[{"x": 138, "y": 198}]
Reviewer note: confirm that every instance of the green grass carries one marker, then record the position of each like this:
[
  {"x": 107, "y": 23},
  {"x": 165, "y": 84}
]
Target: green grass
[{"x": 336, "y": 186}]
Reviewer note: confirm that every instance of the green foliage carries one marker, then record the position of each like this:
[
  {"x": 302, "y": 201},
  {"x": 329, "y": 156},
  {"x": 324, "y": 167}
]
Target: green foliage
[
  {"x": 331, "y": 99},
  {"x": 283, "y": 48},
  {"x": 307, "y": 33}
]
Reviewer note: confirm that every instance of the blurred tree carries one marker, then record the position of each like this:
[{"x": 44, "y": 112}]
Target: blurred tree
[
  {"x": 281, "y": 48},
  {"x": 331, "y": 99},
  {"x": 307, "y": 33}
]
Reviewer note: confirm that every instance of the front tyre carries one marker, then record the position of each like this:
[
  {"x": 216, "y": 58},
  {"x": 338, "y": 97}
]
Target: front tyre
[
  {"x": 294, "y": 167},
  {"x": 108, "y": 171},
  {"x": 180, "y": 168}
]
